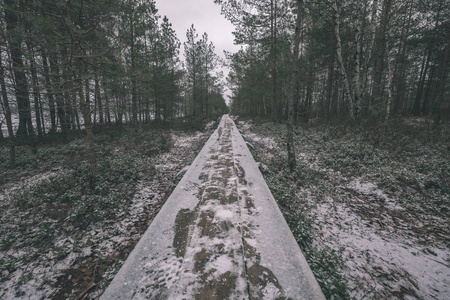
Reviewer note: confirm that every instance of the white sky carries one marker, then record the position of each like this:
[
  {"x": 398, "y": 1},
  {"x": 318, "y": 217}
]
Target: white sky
[{"x": 206, "y": 17}]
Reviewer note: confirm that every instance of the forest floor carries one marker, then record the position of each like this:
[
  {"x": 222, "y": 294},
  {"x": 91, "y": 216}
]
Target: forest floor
[
  {"x": 64, "y": 238},
  {"x": 369, "y": 205}
]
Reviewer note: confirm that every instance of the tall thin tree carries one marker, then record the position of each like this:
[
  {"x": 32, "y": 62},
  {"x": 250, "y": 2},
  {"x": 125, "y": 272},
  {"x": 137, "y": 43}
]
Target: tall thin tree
[{"x": 290, "y": 125}]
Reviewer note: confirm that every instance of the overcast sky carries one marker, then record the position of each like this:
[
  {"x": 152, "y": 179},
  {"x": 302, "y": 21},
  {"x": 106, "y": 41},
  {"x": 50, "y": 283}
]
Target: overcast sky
[{"x": 206, "y": 17}]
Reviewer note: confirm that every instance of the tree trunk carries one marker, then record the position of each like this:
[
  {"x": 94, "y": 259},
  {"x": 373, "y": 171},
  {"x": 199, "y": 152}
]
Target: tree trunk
[
  {"x": 330, "y": 76},
  {"x": 98, "y": 98},
  {"x": 273, "y": 55},
  {"x": 400, "y": 69},
  {"x": 369, "y": 55},
  {"x": 194, "y": 87},
  {"x": 389, "y": 84},
  {"x": 75, "y": 114},
  {"x": 380, "y": 60},
  {"x": 107, "y": 100},
  {"x": 48, "y": 86},
  {"x": 290, "y": 126},
  {"x": 357, "y": 62},
  {"x": 428, "y": 92},
  {"x": 309, "y": 90},
  {"x": 85, "y": 111},
  {"x": 133, "y": 75},
  {"x": 442, "y": 80},
  {"x": 347, "y": 90},
  {"x": 12, "y": 147},
  {"x": 56, "y": 80},
  {"x": 155, "y": 94},
  {"x": 21, "y": 86},
  {"x": 36, "y": 94},
  {"x": 418, "y": 100}
]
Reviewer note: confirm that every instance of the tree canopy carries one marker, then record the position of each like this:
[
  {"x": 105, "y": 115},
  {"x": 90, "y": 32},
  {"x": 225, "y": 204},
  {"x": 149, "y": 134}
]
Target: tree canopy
[{"x": 74, "y": 65}]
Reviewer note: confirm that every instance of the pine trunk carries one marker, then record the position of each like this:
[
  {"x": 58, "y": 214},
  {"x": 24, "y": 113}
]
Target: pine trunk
[
  {"x": 12, "y": 147},
  {"x": 36, "y": 94},
  {"x": 442, "y": 80},
  {"x": 21, "y": 83},
  {"x": 379, "y": 67}
]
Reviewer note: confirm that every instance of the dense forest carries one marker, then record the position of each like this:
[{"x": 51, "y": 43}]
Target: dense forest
[
  {"x": 359, "y": 59},
  {"x": 73, "y": 65}
]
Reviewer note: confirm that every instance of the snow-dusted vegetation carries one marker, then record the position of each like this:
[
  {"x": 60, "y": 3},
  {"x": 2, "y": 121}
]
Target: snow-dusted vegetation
[
  {"x": 62, "y": 239},
  {"x": 368, "y": 205}
]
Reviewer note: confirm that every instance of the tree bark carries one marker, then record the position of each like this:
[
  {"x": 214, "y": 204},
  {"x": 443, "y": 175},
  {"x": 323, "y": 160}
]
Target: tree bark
[
  {"x": 388, "y": 85},
  {"x": 21, "y": 86},
  {"x": 330, "y": 76},
  {"x": 380, "y": 60},
  {"x": 442, "y": 80},
  {"x": 364, "y": 68},
  {"x": 36, "y": 94},
  {"x": 85, "y": 110},
  {"x": 399, "y": 77},
  {"x": 273, "y": 55},
  {"x": 11, "y": 142},
  {"x": 56, "y": 80},
  {"x": 347, "y": 90},
  {"x": 133, "y": 75},
  {"x": 48, "y": 86},
  {"x": 290, "y": 125},
  {"x": 98, "y": 98},
  {"x": 423, "y": 71},
  {"x": 357, "y": 92}
]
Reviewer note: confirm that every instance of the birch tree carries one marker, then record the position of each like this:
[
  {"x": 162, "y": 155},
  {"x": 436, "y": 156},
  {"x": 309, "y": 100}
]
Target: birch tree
[{"x": 290, "y": 127}]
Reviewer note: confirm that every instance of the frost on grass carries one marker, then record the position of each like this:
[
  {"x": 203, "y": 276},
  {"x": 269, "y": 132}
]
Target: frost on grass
[
  {"x": 374, "y": 208},
  {"x": 61, "y": 250}
]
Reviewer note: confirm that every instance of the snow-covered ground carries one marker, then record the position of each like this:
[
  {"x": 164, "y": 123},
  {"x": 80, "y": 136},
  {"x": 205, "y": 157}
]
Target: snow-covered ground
[
  {"x": 377, "y": 238},
  {"x": 381, "y": 258},
  {"x": 32, "y": 273}
]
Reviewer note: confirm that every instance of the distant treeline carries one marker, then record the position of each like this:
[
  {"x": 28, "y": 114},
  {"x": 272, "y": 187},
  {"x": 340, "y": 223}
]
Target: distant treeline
[
  {"x": 376, "y": 59},
  {"x": 69, "y": 65}
]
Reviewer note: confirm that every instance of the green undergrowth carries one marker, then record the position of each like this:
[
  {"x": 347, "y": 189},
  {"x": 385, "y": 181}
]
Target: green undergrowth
[
  {"x": 57, "y": 204},
  {"x": 410, "y": 162},
  {"x": 293, "y": 193},
  {"x": 68, "y": 192}
]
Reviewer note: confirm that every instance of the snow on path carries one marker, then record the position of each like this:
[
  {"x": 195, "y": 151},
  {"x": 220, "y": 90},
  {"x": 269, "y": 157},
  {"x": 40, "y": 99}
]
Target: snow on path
[{"x": 220, "y": 235}]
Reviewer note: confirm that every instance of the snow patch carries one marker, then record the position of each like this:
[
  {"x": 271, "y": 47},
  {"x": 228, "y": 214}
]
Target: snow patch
[
  {"x": 370, "y": 189},
  {"x": 368, "y": 252}
]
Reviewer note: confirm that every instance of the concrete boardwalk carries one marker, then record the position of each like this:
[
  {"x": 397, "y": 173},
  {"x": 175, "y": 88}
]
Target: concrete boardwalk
[{"x": 220, "y": 235}]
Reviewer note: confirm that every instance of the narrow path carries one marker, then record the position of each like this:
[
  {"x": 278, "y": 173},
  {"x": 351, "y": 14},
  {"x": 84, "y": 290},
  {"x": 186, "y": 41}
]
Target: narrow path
[{"x": 220, "y": 235}]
